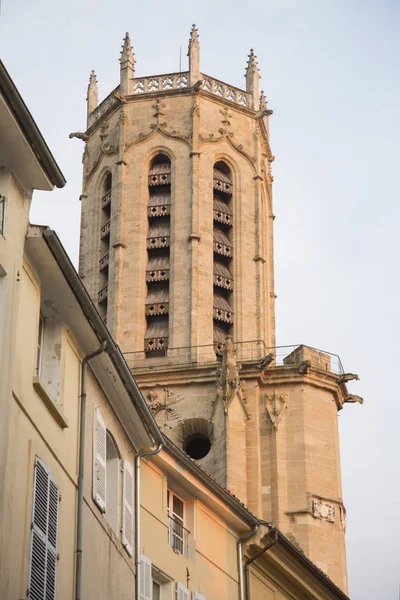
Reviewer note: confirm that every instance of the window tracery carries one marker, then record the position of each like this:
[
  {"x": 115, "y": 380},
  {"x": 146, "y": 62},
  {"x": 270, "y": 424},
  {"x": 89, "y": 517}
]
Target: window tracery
[
  {"x": 158, "y": 263},
  {"x": 105, "y": 232},
  {"x": 223, "y": 254}
]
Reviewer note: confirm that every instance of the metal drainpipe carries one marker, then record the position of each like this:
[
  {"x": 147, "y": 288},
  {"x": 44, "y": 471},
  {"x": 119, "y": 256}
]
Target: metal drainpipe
[
  {"x": 81, "y": 470},
  {"x": 248, "y": 562},
  {"x": 138, "y": 458},
  {"x": 240, "y": 558}
]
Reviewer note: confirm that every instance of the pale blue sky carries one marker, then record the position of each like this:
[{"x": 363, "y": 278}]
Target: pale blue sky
[{"x": 331, "y": 74}]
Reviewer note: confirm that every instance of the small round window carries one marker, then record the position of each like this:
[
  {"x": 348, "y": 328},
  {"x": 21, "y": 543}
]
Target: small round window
[{"x": 197, "y": 445}]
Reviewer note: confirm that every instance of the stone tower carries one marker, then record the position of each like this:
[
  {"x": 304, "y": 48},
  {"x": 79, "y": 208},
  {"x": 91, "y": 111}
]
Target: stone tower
[{"x": 177, "y": 253}]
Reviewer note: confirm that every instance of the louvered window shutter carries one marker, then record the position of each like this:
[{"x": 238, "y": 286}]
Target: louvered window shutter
[
  {"x": 43, "y": 563},
  {"x": 182, "y": 593},
  {"x": 127, "y": 508},
  {"x": 146, "y": 580},
  {"x": 100, "y": 458},
  {"x": 197, "y": 596}
]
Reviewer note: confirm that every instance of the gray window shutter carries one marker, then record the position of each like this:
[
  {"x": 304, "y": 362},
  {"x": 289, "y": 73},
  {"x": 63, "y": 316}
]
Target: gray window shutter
[
  {"x": 146, "y": 580},
  {"x": 100, "y": 459},
  {"x": 127, "y": 508},
  {"x": 43, "y": 563},
  {"x": 197, "y": 596},
  {"x": 182, "y": 593}
]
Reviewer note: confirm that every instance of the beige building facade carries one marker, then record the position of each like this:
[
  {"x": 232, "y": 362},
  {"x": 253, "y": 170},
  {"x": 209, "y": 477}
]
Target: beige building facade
[
  {"x": 26, "y": 164},
  {"x": 177, "y": 254},
  {"x": 132, "y": 516}
]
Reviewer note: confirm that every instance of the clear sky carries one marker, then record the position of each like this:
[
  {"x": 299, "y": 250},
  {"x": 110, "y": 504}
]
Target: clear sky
[{"x": 331, "y": 74}]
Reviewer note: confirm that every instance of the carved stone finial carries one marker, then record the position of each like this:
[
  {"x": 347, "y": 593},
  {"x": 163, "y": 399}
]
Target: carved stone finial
[
  {"x": 127, "y": 67},
  {"x": 252, "y": 78},
  {"x": 92, "y": 94},
  {"x": 194, "y": 34},
  {"x": 194, "y": 56}
]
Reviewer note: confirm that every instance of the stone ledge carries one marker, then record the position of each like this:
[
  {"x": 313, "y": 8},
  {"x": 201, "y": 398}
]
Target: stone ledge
[{"x": 50, "y": 404}]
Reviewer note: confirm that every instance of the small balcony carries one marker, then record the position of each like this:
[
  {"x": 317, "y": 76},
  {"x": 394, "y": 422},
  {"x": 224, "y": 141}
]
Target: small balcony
[
  {"x": 105, "y": 261},
  {"x": 103, "y": 294},
  {"x": 105, "y": 231},
  {"x": 106, "y": 199},
  {"x": 178, "y": 536}
]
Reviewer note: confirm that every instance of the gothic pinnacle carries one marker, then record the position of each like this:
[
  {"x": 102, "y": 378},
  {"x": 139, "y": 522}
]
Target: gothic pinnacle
[
  {"x": 252, "y": 63},
  {"x": 127, "y": 67},
  {"x": 252, "y": 77},
  {"x": 127, "y": 51},
  {"x": 263, "y": 101},
  {"x": 194, "y": 34},
  {"x": 92, "y": 94},
  {"x": 194, "y": 56}
]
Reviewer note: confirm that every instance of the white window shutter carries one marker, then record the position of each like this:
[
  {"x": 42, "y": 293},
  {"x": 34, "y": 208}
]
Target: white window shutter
[
  {"x": 127, "y": 508},
  {"x": 197, "y": 596},
  {"x": 99, "y": 459},
  {"x": 43, "y": 563},
  {"x": 146, "y": 580},
  {"x": 182, "y": 593}
]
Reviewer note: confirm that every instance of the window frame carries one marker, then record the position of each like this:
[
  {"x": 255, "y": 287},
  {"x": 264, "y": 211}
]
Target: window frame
[
  {"x": 177, "y": 532},
  {"x": 44, "y": 532}
]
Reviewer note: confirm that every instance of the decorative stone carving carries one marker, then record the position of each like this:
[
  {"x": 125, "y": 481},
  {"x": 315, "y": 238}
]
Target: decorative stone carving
[
  {"x": 353, "y": 398},
  {"x": 79, "y": 135},
  {"x": 323, "y": 510},
  {"x": 228, "y": 382},
  {"x": 274, "y": 405},
  {"x": 346, "y": 376}
]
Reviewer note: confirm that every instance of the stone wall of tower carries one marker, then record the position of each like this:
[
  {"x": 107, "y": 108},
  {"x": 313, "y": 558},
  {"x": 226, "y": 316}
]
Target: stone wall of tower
[{"x": 125, "y": 143}]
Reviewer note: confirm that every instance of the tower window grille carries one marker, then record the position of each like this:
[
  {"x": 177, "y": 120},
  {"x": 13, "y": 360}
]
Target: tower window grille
[
  {"x": 223, "y": 254},
  {"x": 105, "y": 232},
  {"x": 158, "y": 257}
]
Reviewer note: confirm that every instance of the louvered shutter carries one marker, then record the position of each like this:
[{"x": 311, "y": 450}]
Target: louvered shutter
[
  {"x": 146, "y": 580},
  {"x": 100, "y": 457},
  {"x": 197, "y": 596},
  {"x": 182, "y": 593},
  {"x": 43, "y": 563},
  {"x": 127, "y": 508}
]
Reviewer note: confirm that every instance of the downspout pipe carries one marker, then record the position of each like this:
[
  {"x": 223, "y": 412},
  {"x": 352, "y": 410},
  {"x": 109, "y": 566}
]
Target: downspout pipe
[
  {"x": 81, "y": 471},
  {"x": 248, "y": 562},
  {"x": 138, "y": 458},
  {"x": 240, "y": 557}
]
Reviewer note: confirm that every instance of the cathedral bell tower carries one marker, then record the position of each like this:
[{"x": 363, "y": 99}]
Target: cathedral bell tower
[{"x": 177, "y": 253}]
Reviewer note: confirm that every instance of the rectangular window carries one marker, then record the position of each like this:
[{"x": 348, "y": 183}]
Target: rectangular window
[
  {"x": 2, "y": 214},
  {"x": 178, "y": 534},
  {"x": 48, "y": 353},
  {"x": 44, "y": 534}
]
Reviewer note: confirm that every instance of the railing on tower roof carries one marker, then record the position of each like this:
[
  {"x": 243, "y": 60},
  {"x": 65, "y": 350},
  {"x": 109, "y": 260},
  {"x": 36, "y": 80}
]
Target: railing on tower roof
[
  {"x": 176, "y": 81},
  {"x": 249, "y": 351}
]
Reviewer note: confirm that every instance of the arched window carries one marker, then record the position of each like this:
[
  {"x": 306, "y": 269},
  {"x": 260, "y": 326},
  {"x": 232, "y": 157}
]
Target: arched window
[
  {"x": 105, "y": 243},
  {"x": 223, "y": 254},
  {"x": 158, "y": 244},
  {"x": 112, "y": 482}
]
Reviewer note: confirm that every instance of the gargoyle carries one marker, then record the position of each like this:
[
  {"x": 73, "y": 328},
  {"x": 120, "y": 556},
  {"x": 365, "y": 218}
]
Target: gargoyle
[
  {"x": 348, "y": 377},
  {"x": 304, "y": 366},
  {"x": 119, "y": 97},
  {"x": 267, "y": 360},
  {"x": 353, "y": 398},
  {"x": 79, "y": 135}
]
